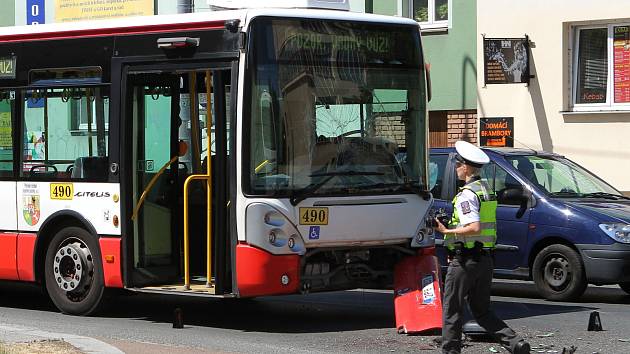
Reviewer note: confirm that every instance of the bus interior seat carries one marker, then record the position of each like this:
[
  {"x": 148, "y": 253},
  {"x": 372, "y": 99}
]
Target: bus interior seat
[
  {"x": 90, "y": 167},
  {"x": 43, "y": 171}
]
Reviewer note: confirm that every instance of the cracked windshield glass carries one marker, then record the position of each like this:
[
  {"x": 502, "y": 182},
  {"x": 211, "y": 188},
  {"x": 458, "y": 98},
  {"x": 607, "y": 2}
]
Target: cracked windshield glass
[{"x": 336, "y": 108}]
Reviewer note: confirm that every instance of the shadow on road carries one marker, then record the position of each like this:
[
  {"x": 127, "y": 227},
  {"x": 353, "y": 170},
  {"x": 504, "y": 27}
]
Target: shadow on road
[
  {"x": 593, "y": 294},
  {"x": 317, "y": 313},
  {"x": 314, "y": 313}
]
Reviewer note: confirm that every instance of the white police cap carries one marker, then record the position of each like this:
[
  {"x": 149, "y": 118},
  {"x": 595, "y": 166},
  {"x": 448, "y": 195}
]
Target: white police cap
[{"x": 470, "y": 154}]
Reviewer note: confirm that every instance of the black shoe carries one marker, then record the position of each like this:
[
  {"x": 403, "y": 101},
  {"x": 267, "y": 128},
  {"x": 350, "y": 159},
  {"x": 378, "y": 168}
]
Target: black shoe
[{"x": 522, "y": 347}]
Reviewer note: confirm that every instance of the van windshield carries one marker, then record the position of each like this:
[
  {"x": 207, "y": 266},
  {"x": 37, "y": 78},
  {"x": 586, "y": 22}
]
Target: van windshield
[{"x": 560, "y": 177}]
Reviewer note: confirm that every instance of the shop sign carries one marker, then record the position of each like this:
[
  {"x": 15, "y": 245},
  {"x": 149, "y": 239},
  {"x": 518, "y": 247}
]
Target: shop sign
[
  {"x": 506, "y": 60},
  {"x": 621, "y": 67},
  {"x": 496, "y": 132},
  {"x": 79, "y": 10}
]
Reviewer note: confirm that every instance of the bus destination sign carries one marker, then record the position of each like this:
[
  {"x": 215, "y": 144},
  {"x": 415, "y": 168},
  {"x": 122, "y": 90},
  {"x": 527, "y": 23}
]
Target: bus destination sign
[{"x": 7, "y": 67}]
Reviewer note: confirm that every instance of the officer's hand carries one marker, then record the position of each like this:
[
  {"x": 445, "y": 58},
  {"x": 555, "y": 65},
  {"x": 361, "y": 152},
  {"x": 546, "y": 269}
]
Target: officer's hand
[{"x": 440, "y": 227}]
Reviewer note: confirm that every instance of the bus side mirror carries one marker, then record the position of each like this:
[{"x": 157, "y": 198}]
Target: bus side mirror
[{"x": 427, "y": 67}]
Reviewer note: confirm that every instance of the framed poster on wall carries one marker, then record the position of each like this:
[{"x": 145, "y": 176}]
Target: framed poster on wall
[{"x": 506, "y": 60}]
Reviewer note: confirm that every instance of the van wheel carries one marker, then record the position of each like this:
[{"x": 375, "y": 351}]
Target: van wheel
[
  {"x": 625, "y": 287},
  {"x": 559, "y": 273},
  {"x": 73, "y": 271}
]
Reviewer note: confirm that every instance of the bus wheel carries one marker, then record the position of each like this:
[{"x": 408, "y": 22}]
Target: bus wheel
[
  {"x": 559, "y": 274},
  {"x": 73, "y": 271}
]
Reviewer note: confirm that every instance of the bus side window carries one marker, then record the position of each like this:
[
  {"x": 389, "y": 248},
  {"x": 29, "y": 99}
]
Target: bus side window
[
  {"x": 7, "y": 109},
  {"x": 65, "y": 133}
]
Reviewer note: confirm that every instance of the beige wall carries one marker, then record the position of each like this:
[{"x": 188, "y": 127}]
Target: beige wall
[{"x": 600, "y": 142}]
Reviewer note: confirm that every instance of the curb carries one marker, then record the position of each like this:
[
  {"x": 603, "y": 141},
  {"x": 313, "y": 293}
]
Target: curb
[{"x": 15, "y": 334}]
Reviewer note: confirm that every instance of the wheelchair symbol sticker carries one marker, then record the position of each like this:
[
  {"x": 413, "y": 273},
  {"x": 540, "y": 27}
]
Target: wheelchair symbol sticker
[{"x": 313, "y": 233}]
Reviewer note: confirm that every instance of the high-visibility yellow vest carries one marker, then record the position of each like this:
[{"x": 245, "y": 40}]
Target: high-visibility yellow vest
[{"x": 487, "y": 218}]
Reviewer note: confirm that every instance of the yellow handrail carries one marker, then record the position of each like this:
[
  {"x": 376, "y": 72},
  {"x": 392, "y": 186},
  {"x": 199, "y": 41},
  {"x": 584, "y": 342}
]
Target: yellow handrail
[
  {"x": 190, "y": 178},
  {"x": 150, "y": 185},
  {"x": 262, "y": 164},
  {"x": 208, "y": 178},
  {"x": 209, "y": 173}
]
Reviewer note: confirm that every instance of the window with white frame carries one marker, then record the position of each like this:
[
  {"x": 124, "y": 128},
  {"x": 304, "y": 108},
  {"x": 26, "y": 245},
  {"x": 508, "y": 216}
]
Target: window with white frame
[
  {"x": 601, "y": 68},
  {"x": 430, "y": 13}
]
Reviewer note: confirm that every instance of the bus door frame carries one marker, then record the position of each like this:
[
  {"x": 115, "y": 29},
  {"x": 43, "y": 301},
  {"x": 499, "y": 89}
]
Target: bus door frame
[{"x": 225, "y": 255}]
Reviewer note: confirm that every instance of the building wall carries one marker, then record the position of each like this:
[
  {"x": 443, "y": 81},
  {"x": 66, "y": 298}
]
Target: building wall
[
  {"x": 452, "y": 56},
  {"x": 451, "y": 53},
  {"x": 597, "y": 141},
  {"x": 462, "y": 125},
  {"x": 7, "y": 15}
]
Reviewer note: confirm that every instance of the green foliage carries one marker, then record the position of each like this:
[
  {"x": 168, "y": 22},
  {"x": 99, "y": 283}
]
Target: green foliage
[
  {"x": 442, "y": 12},
  {"x": 422, "y": 15}
]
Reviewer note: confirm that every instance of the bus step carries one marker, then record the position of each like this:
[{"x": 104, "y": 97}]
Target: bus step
[{"x": 197, "y": 288}]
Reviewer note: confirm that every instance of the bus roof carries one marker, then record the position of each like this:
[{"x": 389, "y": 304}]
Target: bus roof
[{"x": 158, "y": 23}]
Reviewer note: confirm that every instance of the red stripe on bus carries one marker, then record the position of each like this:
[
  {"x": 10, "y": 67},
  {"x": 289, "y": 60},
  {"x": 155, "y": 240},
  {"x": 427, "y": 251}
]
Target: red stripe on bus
[
  {"x": 114, "y": 31},
  {"x": 260, "y": 273},
  {"x": 25, "y": 254},
  {"x": 8, "y": 256},
  {"x": 110, "y": 256}
]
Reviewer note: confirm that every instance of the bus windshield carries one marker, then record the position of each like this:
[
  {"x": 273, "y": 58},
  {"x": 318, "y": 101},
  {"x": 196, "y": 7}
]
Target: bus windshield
[{"x": 332, "y": 107}]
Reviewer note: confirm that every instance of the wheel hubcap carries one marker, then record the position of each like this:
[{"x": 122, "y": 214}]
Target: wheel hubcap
[
  {"x": 73, "y": 266},
  {"x": 557, "y": 272}
]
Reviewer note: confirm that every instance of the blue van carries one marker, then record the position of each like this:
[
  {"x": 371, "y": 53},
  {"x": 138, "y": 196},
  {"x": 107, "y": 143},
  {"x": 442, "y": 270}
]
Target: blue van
[{"x": 558, "y": 223}]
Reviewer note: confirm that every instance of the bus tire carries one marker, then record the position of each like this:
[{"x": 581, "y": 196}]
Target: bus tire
[
  {"x": 74, "y": 272},
  {"x": 559, "y": 274}
]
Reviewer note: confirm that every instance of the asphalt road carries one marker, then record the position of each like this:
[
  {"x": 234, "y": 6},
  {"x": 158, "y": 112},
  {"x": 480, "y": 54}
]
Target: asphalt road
[{"x": 351, "y": 322}]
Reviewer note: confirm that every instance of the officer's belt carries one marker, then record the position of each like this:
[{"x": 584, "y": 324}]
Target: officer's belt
[{"x": 462, "y": 251}]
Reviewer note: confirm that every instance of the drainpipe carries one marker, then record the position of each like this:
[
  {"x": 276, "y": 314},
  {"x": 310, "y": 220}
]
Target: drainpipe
[{"x": 185, "y": 6}]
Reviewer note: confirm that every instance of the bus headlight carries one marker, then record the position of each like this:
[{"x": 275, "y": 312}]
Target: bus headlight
[
  {"x": 617, "y": 231},
  {"x": 420, "y": 236},
  {"x": 425, "y": 236},
  {"x": 268, "y": 228}
]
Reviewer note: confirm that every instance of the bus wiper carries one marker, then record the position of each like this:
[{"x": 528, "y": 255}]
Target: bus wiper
[
  {"x": 408, "y": 186},
  {"x": 605, "y": 195},
  {"x": 415, "y": 186},
  {"x": 303, "y": 193}
]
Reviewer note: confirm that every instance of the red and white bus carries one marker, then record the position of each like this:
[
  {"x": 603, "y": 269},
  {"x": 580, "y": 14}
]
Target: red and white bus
[{"x": 232, "y": 153}]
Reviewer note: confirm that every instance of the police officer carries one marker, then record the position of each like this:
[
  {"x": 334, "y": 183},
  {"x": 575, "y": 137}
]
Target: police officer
[{"x": 470, "y": 240}]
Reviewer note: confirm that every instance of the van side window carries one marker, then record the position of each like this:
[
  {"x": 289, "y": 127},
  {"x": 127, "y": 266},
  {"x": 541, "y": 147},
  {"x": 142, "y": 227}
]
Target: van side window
[
  {"x": 500, "y": 181},
  {"x": 437, "y": 167}
]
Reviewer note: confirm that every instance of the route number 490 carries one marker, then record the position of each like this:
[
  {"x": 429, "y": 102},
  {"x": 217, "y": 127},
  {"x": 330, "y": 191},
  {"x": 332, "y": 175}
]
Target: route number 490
[
  {"x": 313, "y": 216},
  {"x": 62, "y": 191}
]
